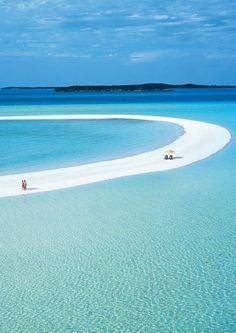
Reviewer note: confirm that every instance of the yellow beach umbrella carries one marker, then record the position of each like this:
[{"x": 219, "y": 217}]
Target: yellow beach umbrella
[{"x": 169, "y": 151}]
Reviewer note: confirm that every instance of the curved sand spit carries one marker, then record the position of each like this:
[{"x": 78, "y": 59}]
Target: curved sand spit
[{"x": 199, "y": 141}]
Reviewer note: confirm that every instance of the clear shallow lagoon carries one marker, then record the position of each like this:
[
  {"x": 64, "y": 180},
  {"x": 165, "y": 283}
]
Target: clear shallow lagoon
[
  {"x": 47, "y": 144},
  {"x": 151, "y": 253}
]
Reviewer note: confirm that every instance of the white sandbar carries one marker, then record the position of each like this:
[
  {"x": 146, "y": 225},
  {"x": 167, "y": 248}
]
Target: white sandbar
[{"x": 199, "y": 141}]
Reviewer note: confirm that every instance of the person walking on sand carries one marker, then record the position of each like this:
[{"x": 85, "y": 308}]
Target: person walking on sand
[{"x": 24, "y": 185}]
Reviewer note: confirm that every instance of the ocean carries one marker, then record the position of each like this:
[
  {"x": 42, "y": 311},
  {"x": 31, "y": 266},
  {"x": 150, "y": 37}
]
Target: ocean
[{"x": 148, "y": 253}]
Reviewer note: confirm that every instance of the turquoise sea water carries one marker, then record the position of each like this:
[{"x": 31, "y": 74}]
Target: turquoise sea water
[
  {"x": 46, "y": 144},
  {"x": 150, "y": 253}
]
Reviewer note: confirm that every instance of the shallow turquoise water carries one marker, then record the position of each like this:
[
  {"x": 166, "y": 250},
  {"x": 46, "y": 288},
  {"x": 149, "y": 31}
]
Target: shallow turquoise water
[
  {"x": 150, "y": 253},
  {"x": 46, "y": 144}
]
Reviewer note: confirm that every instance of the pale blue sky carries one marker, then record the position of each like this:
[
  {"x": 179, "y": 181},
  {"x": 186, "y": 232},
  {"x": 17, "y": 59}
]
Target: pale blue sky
[{"x": 59, "y": 42}]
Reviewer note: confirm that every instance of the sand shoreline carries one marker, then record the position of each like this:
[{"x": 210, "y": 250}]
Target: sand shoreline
[{"x": 199, "y": 141}]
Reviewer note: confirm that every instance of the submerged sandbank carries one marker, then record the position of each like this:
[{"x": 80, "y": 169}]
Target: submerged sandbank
[{"x": 199, "y": 141}]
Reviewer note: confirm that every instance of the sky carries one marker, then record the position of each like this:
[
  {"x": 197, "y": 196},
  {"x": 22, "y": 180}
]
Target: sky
[{"x": 67, "y": 42}]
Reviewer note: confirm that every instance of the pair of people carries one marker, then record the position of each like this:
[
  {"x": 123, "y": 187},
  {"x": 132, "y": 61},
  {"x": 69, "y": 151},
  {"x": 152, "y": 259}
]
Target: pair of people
[{"x": 24, "y": 185}]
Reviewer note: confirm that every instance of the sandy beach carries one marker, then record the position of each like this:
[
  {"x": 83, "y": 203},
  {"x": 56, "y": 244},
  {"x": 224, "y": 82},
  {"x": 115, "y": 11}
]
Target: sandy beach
[{"x": 199, "y": 141}]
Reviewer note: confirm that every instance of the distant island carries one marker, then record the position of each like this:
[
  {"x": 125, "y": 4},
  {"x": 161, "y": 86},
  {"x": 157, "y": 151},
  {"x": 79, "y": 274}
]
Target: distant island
[{"x": 146, "y": 87}]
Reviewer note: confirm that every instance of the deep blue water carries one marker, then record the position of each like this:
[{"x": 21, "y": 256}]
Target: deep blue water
[
  {"x": 45, "y": 97},
  {"x": 149, "y": 253}
]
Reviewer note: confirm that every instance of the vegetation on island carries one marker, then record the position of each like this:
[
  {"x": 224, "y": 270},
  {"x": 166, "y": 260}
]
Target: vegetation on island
[{"x": 146, "y": 87}]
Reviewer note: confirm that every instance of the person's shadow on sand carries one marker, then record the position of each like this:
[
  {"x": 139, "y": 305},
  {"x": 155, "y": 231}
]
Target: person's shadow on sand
[{"x": 176, "y": 157}]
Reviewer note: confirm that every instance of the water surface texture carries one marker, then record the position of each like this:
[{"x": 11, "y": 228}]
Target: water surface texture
[{"x": 148, "y": 253}]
